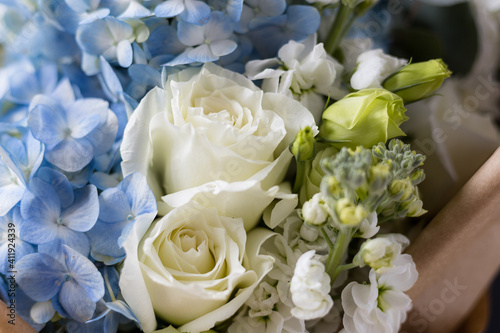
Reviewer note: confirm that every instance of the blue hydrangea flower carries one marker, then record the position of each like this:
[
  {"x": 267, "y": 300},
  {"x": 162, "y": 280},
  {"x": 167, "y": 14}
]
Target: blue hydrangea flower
[
  {"x": 73, "y": 131},
  {"x": 9, "y": 239},
  {"x": 253, "y": 9},
  {"x": 208, "y": 42},
  {"x": 191, "y": 11},
  {"x": 19, "y": 160},
  {"x": 120, "y": 207},
  {"x": 74, "y": 285},
  {"x": 108, "y": 169},
  {"x": 270, "y": 33},
  {"x": 108, "y": 37},
  {"x": 232, "y": 8},
  {"x": 55, "y": 215}
]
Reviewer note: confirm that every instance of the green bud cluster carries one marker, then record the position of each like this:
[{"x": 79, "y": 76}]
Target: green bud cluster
[{"x": 381, "y": 179}]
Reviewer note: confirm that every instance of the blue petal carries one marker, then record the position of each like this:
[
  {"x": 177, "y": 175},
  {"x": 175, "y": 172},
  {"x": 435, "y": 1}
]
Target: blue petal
[
  {"x": 47, "y": 124},
  {"x": 139, "y": 194},
  {"x": 66, "y": 237},
  {"x": 70, "y": 154},
  {"x": 85, "y": 273},
  {"x": 197, "y": 12},
  {"x": 303, "y": 20},
  {"x": 40, "y": 207},
  {"x": 169, "y": 8},
  {"x": 64, "y": 93},
  {"x": 75, "y": 300},
  {"x": 163, "y": 41},
  {"x": 110, "y": 79},
  {"x": 202, "y": 53},
  {"x": 219, "y": 27},
  {"x": 11, "y": 194},
  {"x": 60, "y": 184},
  {"x": 114, "y": 206},
  {"x": 104, "y": 181},
  {"x": 103, "y": 137},
  {"x": 40, "y": 279},
  {"x": 104, "y": 241},
  {"x": 124, "y": 53},
  {"x": 82, "y": 214},
  {"x": 123, "y": 309},
  {"x": 190, "y": 34}
]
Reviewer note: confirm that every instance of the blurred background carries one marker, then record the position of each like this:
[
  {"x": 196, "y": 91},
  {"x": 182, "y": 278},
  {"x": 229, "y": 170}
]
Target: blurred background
[{"x": 458, "y": 130}]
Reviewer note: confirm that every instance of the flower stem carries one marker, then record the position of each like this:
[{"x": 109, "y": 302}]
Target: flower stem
[
  {"x": 339, "y": 28},
  {"x": 335, "y": 256},
  {"x": 299, "y": 178}
]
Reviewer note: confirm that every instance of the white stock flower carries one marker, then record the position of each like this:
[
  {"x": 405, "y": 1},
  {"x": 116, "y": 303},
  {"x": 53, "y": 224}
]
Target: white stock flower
[
  {"x": 211, "y": 124},
  {"x": 315, "y": 211},
  {"x": 373, "y": 67},
  {"x": 192, "y": 268},
  {"x": 310, "y": 74},
  {"x": 368, "y": 227},
  {"x": 381, "y": 253},
  {"x": 310, "y": 288},
  {"x": 379, "y": 307}
]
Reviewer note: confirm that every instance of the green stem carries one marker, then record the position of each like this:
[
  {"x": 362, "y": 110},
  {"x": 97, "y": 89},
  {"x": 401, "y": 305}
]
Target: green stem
[
  {"x": 299, "y": 178},
  {"x": 327, "y": 239},
  {"x": 335, "y": 257},
  {"x": 339, "y": 28},
  {"x": 345, "y": 267}
]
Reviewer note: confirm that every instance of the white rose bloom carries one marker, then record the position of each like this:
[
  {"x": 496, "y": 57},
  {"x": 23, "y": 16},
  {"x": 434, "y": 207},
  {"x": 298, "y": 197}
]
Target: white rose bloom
[
  {"x": 310, "y": 288},
  {"x": 373, "y": 67},
  {"x": 315, "y": 211},
  {"x": 193, "y": 268},
  {"x": 376, "y": 307},
  {"x": 381, "y": 253},
  {"x": 211, "y": 124},
  {"x": 311, "y": 74}
]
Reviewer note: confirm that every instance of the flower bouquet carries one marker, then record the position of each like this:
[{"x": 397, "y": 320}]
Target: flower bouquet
[{"x": 205, "y": 166}]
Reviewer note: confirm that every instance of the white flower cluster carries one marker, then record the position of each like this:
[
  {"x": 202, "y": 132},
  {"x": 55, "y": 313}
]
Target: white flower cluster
[
  {"x": 380, "y": 306},
  {"x": 310, "y": 288},
  {"x": 305, "y": 72}
]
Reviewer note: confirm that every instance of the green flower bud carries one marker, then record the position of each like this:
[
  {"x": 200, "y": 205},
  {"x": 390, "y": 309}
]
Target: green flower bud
[
  {"x": 314, "y": 174},
  {"x": 353, "y": 3},
  {"x": 417, "y": 177},
  {"x": 303, "y": 145},
  {"x": 379, "y": 176},
  {"x": 402, "y": 187},
  {"x": 415, "y": 208},
  {"x": 365, "y": 118},
  {"x": 418, "y": 81},
  {"x": 349, "y": 213}
]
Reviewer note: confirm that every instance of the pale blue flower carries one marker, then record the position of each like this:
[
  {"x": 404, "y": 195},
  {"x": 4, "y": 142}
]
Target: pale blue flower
[
  {"x": 191, "y": 11},
  {"x": 253, "y": 9},
  {"x": 19, "y": 160},
  {"x": 108, "y": 37},
  {"x": 73, "y": 131},
  {"x": 207, "y": 42},
  {"x": 120, "y": 207},
  {"x": 74, "y": 285},
  {"x": 9, "y": 239},
  {"x": 55, "y": 215},
  {"x": 232, "y": 8},
  {"x": 297, "y": 24}
]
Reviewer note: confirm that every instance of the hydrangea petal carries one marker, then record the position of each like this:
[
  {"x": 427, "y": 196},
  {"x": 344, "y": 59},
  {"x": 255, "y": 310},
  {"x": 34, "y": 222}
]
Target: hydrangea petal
[
  {"x": 85, "y": 273},
  {"x": 70, "y": 154},
  {"x": 124, "y": 53},
  {"x": 40, "y": 279},
  {"x": 114, "y": 205},
  {"x": 76, "y": 301},
  {"x": 47, "y": 124},
  {"x": 196, "y": 12},
  {"x": 169, "y": 8},
  {"x": 83, "y": 213}
]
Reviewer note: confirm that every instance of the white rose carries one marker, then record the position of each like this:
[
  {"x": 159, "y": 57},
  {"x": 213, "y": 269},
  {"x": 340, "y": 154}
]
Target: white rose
[
  {"x": 211, "y": 124},
  {"x": 192, "y": 268},
  {"x": 373, "y": 67}
]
